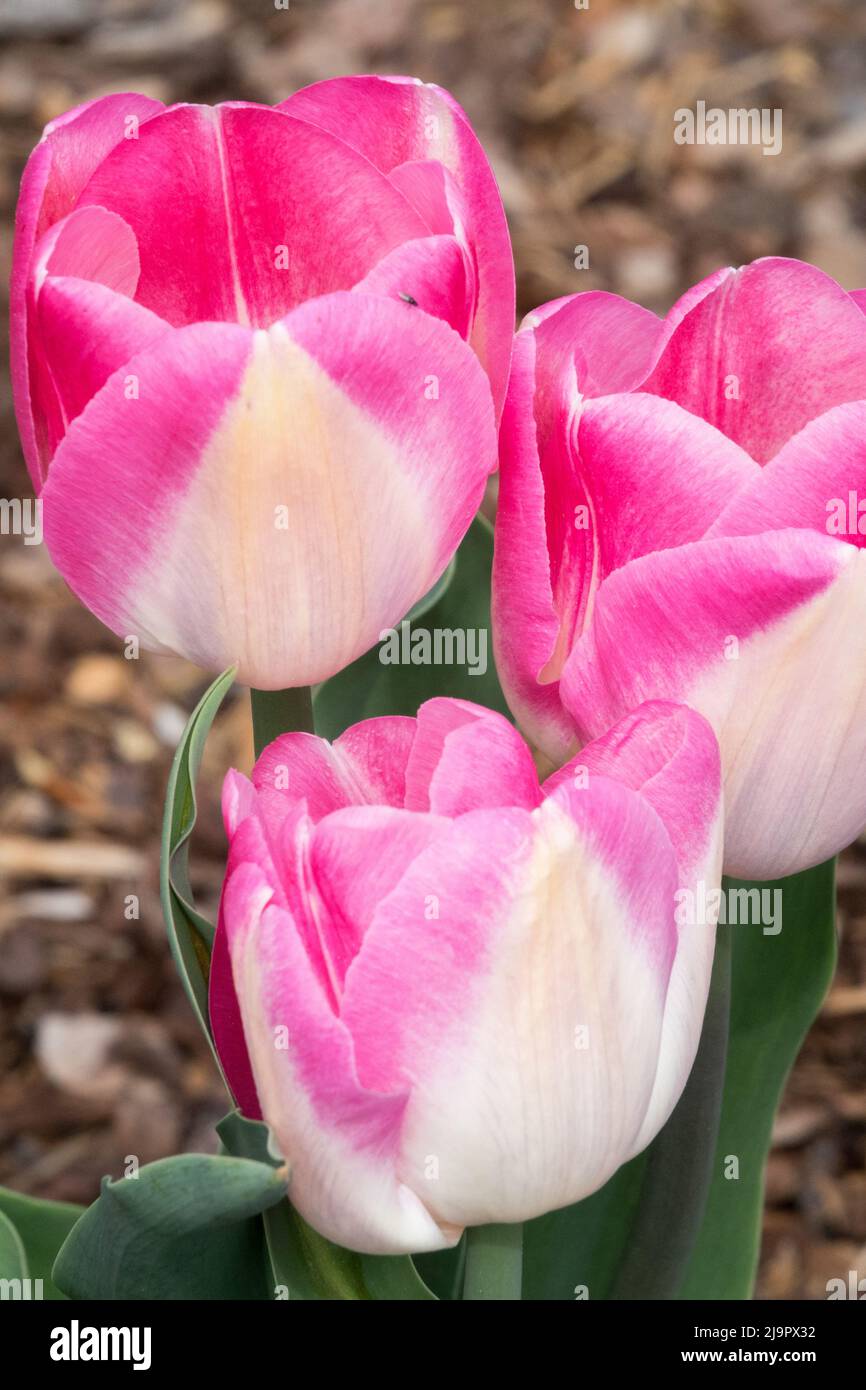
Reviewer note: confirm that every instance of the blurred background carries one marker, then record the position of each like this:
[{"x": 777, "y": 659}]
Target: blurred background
[{"x": 100, "y": 1056}]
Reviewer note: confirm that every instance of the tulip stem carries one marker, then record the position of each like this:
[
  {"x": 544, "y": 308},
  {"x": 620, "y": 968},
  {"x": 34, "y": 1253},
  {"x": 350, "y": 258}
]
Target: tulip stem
[
  {"x": 278, "y": 712},
  {"x": 494, "y": 1262}
]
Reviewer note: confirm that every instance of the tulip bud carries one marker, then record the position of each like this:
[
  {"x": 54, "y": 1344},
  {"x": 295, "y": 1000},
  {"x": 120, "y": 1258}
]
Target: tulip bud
[
  {"x": 225, "y": 326},
  {"x": 429, "y": 968},
  {"x": 667, "y": 529}
]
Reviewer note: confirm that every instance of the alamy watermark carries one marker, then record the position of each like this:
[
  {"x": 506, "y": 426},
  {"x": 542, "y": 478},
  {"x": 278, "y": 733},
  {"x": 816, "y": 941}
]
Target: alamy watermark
[
  {"x": 846, "y": 516},
  {"x": 77, "y": 1343},
  {"x": 736, "y": 126},
  {"x": 21, "y": 1290},
  {"x": 438, "y": 646},
  {"x": 22, "y": 517},
  {"x": 709, "y": 907},
  {"x": 853, "y": 1287}
]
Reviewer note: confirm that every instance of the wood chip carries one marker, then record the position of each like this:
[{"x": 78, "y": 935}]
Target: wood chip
[{"x": 21, "y": 857}]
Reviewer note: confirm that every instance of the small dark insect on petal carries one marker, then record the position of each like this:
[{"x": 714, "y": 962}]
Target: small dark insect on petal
[{"x": 407, "y": 299}]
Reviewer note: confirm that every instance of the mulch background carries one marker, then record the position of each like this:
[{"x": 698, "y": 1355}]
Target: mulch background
[{"x": 100, "y": 1056}]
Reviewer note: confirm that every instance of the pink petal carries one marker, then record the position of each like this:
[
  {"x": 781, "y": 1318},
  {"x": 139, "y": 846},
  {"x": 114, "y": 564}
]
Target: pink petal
[
  {"x": 126, "y": 463},
  {"x": 242, "y": 212},
  {"x": 300, "y": 766},
  {"x": 365, "y": 766},
  {"x": 357, "y": 857},
  {"x": 653, "y": 476},
  {"x": 94, "y": 245},
  {"x": 432, "y": 271},
  {"x": 466, "y": 758},
  {"x": 525, "y": 623},
  {"x": 433, "y": 193},
  {"x": 86, "y": 333},
  {"x": 379, "y": 750},
  {"x": 75, "y": 144},
  {"x": 398, "y": 121},
  {"x": 767, "y": 349},
  {"x": 70, "y": 149},
  {"x": 430, "y": 942},
  {"x": 479, "y": 969},
  {"x": 688, "y": 301},
  {"x": 329, "y": 422},
  {"x": 641, "y": 475},
  {"x": 227, "y": 1028},
  {"x": 596, "y": 341},
  {"x": 753, "y": 632},
  {"x": 341, "y": 1141},
  {"x": 250, "y": 844},
  {"x": 669, "y": 754},
  {"x": 238, "y": 800},
  {"x": 818, "y": 480},
  {"x": 584, "y": 485}
]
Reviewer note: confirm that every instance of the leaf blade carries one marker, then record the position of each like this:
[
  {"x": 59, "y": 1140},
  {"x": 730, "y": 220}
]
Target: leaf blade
[
  {"x": 779, "y": 983},
  {"x": 190, "y": 935},
  {"x": 41, "y": 1226},
  {"x": 186, "y": 1227}
]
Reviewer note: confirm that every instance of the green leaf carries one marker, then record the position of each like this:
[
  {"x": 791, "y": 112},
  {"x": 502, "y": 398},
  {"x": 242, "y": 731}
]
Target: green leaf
[
  {"x": 779, "y": 983},
  {"x": 368, "y": 687},
  {"x": 186, "y": 1227},
  {"x": 395, "y": 1279},
  {"x": 244, "y": 1138},
  {"x": 40, "y": 1228},
  {"x": 13, "y": 1260},
  {"x": 190, "y": 934}
]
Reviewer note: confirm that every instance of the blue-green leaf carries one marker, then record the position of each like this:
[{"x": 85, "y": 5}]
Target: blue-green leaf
[
  {"x": 190, "y": 934},
  {"x": 779, "y": 983},
  {"x": 13, "y": 1259},
  {"x": 184, "y": 1228}
]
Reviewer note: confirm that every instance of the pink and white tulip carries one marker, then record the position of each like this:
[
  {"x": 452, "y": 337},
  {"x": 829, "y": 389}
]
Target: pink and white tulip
[
  {"x": 457, "y": 996},
  {"x": 258, "y": 357},
  {"x": 669, "y": 528}
]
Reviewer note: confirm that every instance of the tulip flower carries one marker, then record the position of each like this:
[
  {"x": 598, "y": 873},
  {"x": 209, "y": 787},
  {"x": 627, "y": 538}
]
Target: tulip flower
[
  {"x": 678, "y": 520},
  {"x": 457, "y": 996},
  {"x": 258, "y": 355}
]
